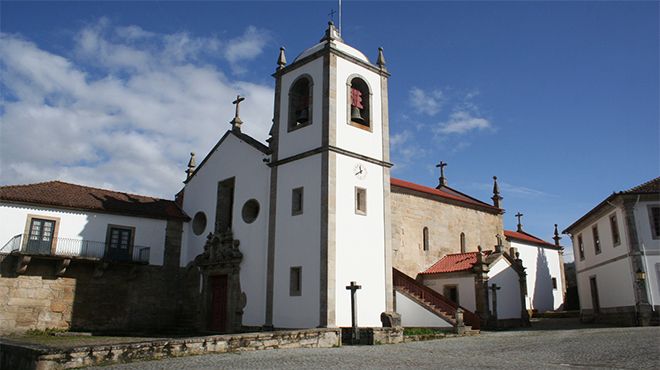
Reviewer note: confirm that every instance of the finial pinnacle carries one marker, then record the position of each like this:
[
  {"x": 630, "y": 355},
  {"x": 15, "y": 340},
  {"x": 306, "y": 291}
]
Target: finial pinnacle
[
  {"x": 496, "y": 193},
  {"x": 381, "y": 59},
  {"x": 191, "y": 166},
  {"x": 281, "y": 59},
  {"x": 556, "y": 238}
]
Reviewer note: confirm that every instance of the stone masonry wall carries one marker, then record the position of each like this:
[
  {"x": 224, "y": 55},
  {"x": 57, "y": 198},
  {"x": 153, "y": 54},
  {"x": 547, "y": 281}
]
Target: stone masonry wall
[
  {"x": 124, "y": 297},
  {"x": 410, "y": 214}
]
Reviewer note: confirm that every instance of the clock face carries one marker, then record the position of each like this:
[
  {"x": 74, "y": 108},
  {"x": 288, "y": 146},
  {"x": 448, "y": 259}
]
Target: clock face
[{"x": 360, "y": 171}]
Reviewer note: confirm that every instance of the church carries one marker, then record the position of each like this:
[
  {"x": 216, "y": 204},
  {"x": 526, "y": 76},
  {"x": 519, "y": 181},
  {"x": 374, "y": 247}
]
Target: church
[{"x": 283, "y": 234}]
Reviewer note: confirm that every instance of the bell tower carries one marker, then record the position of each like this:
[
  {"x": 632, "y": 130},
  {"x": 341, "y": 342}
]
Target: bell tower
[{"x": 330, "y": 178}]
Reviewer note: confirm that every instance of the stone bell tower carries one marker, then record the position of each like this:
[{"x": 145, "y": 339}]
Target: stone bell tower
[{"x": 330, "y": 173}]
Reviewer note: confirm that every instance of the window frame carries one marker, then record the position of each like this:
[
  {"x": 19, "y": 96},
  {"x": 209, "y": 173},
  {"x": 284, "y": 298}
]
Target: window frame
[
  {"x": 360, "y": 206},
  {"x": 596, "y": 239},
  {"x": 554, "y": 283},
  {"x": 108, "y": 238},
  {"x": 425, "y": 239},
  {"x": 295, "y": 286},
  {"x": 301, "y": 209},
  {"x": 580, "y": 243},
  {"x": 655, "y": 233},
  {"x": 27, "y": 231},
  {"x": 462, "y": 242},
  {"x": 614, "y": 228},
  {"x": 290, "y": 120}
]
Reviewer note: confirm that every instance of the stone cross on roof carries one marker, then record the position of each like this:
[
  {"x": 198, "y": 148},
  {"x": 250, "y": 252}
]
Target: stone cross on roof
[
  {"x": 519, "y": 216},
  {"x": 442, "y": 179},
  {"x": 237, "y": 122}
]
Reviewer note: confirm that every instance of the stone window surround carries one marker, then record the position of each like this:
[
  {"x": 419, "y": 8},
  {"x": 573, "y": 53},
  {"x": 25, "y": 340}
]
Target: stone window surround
[
  {"x": 295, "y": 281},
  {"x": 447, "y": 287},
  {"x": 360, "y": 201},
  {"x": 462, "y": 243},
  {"x": 124, "y": 227},
  {"x": 614, "y": 226},
  {"x": 554, "y": 283},
  {"x": 310, "y": 80},
  {"x": 297, "y": 192},
  {"x": 655, "y": 234},
  {"x": 580, "y": 244},
  {"x": 597, "y": 247},
  {"x": 197, "y": 220},
  {"x": 370, "y": 127},
  {"x": 28, "y": 222},
  {"x": 425, "y": 239}
]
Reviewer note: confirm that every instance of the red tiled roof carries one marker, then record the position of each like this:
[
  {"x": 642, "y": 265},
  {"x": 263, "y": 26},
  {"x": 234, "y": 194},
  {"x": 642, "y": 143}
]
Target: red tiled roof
[
  {"x": 525, "y": 237},
  {"x": 66, "y": 195},
  {"x": 440, "y": 193},
  {"x": 651, "y": 186},
  {"x": 454, "y": 263}
]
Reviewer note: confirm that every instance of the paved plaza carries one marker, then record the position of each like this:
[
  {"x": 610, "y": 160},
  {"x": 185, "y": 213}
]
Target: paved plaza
[{"x": 571, "y": 346}]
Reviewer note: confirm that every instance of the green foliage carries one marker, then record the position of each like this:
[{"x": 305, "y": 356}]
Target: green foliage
[
  {"x": 421, "y": 331},
  {"x": 45, "y": 332}
]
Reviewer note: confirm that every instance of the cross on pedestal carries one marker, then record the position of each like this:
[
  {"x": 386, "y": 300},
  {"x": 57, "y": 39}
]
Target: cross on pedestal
[
  {"x": 331, "y": 15},
  {"x": 236, "y": 122},
  {"x": 494, "y": 288},
  {"x": 519, "y": 216},
  {"x": 353, "y": 287},
  {"x": 443, "y": 180}
]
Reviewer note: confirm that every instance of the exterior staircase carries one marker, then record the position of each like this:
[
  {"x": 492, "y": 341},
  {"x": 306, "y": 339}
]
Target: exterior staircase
[{"x": 433, "y": 301}]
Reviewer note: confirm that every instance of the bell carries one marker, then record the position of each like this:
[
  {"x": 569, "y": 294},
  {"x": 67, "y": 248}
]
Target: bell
[
  {"x": 302, "y": 116},
  {"x": 355, "y": 115}
]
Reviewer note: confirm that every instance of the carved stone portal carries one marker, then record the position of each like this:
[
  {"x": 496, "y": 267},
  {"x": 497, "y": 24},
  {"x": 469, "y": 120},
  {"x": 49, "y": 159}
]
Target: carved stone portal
[{"x": 220, "y": 264}]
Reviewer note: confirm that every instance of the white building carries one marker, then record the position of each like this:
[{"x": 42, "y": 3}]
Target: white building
[
  {"x": 544, "y": 265},
  {"x": 279, "y": 231},
  {"x": 617, "y": 256}
]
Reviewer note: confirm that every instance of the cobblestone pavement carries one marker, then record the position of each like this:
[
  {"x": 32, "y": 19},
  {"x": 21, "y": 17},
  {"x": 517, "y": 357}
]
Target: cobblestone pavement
[{"x": 584, "y": 348}]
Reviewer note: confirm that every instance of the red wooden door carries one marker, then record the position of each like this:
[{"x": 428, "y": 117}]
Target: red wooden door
[{"x": 218, "y": 303}]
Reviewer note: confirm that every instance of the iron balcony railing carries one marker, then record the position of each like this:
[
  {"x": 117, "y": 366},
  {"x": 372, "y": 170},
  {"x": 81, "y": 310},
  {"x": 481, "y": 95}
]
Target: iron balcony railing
[{"x": 68, "y": 247}]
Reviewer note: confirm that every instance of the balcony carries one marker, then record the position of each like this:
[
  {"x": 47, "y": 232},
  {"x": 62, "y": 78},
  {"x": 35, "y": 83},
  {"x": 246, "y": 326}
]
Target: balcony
[{"x": 74, "y": 249}]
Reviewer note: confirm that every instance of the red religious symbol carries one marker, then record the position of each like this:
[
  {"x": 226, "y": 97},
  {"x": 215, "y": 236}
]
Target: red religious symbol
[{"x": 356, "y": 98}]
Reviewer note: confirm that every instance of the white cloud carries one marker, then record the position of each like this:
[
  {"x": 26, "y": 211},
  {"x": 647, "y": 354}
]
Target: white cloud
[
  {"x": 123, "y": 112},
  {"x": 245, "y": 47},
  {"x": 405, "y": 150},
  {"x": 429, "y": 103},
  {"x": 462, "y": 122}
]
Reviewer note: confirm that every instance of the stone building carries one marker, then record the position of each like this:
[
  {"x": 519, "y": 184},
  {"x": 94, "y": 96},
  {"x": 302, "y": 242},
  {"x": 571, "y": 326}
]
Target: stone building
[{"x": 262, "y": 235}]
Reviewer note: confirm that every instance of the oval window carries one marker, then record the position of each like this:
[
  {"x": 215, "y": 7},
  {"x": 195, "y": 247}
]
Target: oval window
[
  {"x": 199, "y": 223},
  {"x": 250, "y": 211}
]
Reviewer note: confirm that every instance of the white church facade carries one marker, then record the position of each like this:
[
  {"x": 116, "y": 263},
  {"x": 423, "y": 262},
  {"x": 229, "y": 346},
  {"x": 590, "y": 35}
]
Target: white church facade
[{"x": 272, "y": 235}]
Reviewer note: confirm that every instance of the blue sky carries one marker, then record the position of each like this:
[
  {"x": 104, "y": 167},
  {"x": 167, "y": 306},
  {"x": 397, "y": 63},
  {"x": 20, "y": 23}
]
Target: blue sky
[{"x": 560, "y": 100}]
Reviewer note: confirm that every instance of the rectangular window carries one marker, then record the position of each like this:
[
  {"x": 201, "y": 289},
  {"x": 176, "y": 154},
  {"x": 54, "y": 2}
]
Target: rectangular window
[
  {"x": 654, "y": 215},
  {"x": 554, "y": 283},
  {"x": 425, "y": 237},
  {"x": 614, "y": 225},
  {"x": 297, "y": 201},
  {"x": 295, "y": 282},
  {"x": 594, "y": 232},
  {"x": 360, "y": 201},
  {"x": 580, "y": 246},
  {"x": 451, "y": 292},
  {"x": 224, "y": 205},
  {"x": 120, "y": 243}
]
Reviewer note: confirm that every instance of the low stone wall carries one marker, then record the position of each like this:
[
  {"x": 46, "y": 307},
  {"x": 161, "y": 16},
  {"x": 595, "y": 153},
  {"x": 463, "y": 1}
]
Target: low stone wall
[
  {"x": 27, "y": 357},
  {"x": 371, "y": 336},
  {"x": 120, "y": 297}
]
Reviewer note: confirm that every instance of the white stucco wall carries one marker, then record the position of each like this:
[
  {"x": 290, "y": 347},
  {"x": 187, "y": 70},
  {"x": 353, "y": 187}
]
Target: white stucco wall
[
  {"x": 414, "y": 315},
  {"x": 643, "y": 222},
  {"x": 297, "y": 243},
  {"x": 615, "y": 285},
  {"x": 541, "y": 265},
  {"x": 234, "y": 158},
  {"x": 360, "y": 243},
  {"x": 308, "y": 137},
  {"x": 608, "y": 249},
  {"x": 508, "y": 297},
  {"x": 83, "y": 225},
  {"x": 465, "y": 285}
]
